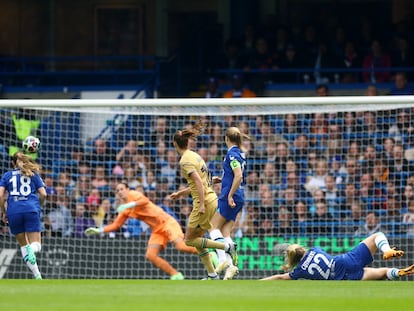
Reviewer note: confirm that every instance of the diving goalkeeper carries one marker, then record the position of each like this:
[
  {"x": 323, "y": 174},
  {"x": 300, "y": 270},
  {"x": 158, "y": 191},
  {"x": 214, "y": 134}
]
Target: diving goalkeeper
[{"x": 164, "y": 228}]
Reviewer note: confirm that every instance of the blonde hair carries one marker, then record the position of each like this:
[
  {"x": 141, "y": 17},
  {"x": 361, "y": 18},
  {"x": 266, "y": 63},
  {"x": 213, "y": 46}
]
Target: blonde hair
[
  {"x": 294, "y": 254},
  {"x": 25, "y": 164}
]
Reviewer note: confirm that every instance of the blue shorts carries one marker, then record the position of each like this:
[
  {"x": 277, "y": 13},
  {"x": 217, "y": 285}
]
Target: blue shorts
[
  {"x": 229, "y": 213},
  {"x": 24, "y": 222},
  {"x": 354, "y": 262}
]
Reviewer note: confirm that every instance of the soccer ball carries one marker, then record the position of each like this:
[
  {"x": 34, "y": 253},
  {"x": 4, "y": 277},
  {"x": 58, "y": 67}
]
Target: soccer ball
[{"x": 31, "y": 144}]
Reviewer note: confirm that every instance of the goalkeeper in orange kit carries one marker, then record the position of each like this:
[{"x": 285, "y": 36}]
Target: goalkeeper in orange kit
[{"x": 164, "y": 227}]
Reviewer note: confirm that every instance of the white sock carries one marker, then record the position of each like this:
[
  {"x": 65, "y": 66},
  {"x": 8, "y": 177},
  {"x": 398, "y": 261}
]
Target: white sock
[
  {"x": 34, "y": 268},
  {"x": 228, "y": 240},
  {"x": 36, "y": 247},
  {"x": 217, "y": 236},
  {"x": 392, "y": 274},
  {"x": 382, "y": 242}
]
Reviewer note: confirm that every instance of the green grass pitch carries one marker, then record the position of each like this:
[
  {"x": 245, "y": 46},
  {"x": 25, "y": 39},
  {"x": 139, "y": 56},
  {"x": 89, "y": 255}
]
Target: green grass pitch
[{"x": 113, "y": 295}]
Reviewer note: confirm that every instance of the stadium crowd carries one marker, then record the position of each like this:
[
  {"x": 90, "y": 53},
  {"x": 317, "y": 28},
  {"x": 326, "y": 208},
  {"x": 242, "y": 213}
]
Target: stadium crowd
[{"x": 340, "y": 173}]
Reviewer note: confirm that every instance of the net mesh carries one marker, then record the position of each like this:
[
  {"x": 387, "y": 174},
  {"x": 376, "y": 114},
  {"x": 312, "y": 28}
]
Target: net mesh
[{"x": 320, "y": 171}]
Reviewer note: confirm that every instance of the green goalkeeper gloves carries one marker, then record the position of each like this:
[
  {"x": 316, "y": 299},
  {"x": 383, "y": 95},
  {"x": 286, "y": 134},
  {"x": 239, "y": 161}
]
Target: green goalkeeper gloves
[{"x": 93, "y": 231}]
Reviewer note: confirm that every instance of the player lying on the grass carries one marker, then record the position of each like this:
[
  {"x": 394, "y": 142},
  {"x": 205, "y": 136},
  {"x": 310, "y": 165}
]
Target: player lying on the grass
[
  {"x": 316, "y": 264},
  {"x": 164, "y": 227}
]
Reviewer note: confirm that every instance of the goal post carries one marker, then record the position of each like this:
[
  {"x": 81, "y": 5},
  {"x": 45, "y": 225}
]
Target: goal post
[{"x": 322, "y": 171}]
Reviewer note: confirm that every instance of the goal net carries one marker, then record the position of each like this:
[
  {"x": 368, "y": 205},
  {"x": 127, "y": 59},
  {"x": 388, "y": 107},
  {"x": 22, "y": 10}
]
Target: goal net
[{"x": 321, "y": 171}]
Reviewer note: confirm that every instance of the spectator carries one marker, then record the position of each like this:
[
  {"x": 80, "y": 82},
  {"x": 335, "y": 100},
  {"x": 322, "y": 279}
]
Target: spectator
[
  {"x": 322, "y": 221},
  {"x": 262, "y": 59},
  {"x": 402, "y": 130},
  {"x": 231, "y": 58},
  {"x": 83, "y": 220},
  {"x": 160, "y": 132},
  {"x": 402, "y": 56},
  {"x": 322, "y": 90},
  {"x": 171, "y": 170},
  {"x": 401, "y": 86},
  {"x": 102, "y": 155},
  {"x": 100, "y": 179},
  {"x": 288, "y": 199},
  {"x": 267, "y": 136},
  {"x": 387, "y": 148},
  {"x": 351, "y": 197},
  {"x": 318, "y": 131},
  {"x": 353, "y": 221},
  {"x": 349, "y": 128},
  {"x": 321, "y": 61},
  {"x": 212, "y": 88},
  {"x": 352, "y": 172},
  {"x": 366, "y": 162},
  {"x": 333, "y": 197},
  {"x": 301, "y": 217},
  {"x": 58, "y": 220},
  {"x": 290, "y": 61},
  {"x": 238, "y": 89},
  {"x": 372, "y": 225},
  {"x": 291, "y": 127},
  {"x": 247, "y": 42},
  {"x": 408, "y": 219},
  {"x": 371, "y": 133},
  {"x": 269, "y": 174},
  {"x": 400, "y": 168},
  {"x": 393, "y": 217},
  {"x": 282, "y": 155},
  {"x": 128, "y": 153},
  {"x": 50, "y": 184},
  {"x": 246, "y": 222},
  {"x": 284, "y": 222},
  {"x": 317, "y": 181},
  {"x": 350, "y": 61},
  {"x": 300, "y": 152},
  {"x": 131, "y": 178},
  {"x": 66, "y": 181},
  {"x": 371, "y": 90},
  {"x": 375, "y": 64},
  {"x": 82, "y": 188},
  {"x": 408, "y": 197}
]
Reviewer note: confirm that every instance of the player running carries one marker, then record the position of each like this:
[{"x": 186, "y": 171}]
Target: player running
[
  {"x": 316, "y": 264},
  {"x": 195, "y": 171},
  {"x": 26, "y": 193},
  {"x": 231, "y": 199}
]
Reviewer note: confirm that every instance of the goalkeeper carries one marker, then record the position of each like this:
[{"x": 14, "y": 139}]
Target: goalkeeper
[
  {"x": 164, "y": 228},
  {"x": 316, "y": 264}
]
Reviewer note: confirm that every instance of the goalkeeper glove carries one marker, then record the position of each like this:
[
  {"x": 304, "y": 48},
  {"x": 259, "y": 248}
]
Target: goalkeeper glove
[
  {"x": 123, "y": 207},
  {"x": 93, "y": 231}
]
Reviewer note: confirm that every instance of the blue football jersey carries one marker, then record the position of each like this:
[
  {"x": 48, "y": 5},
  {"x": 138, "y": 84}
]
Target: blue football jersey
[
  {"x": 233, "y": 154},
  {"x": 315, "y": 265},
  {"x": 22, "y": 192}
]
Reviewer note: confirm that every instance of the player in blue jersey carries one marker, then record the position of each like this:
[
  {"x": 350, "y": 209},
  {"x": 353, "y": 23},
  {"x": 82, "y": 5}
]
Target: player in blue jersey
[
  {"x": 316, "y": 264},
  {"x": 26, "y": 193},
  {"x": 231, "y": 199}
]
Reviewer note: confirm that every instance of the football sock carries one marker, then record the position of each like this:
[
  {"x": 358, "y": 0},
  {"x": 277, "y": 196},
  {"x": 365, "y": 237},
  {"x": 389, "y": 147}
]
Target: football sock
[
  {"x": 33, "y": 267},
  {"x": 36, "y": 247},
  {"x": 217, "y": 236},
  {"x": 227, "y": 241},
  {"x": 392, "y": 274},
  {"x": 382, "y": 242}
]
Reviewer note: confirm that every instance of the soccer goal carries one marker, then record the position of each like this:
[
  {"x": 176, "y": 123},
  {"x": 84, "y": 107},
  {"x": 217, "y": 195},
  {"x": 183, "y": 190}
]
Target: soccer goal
[{"x": 321, "y": 171}]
